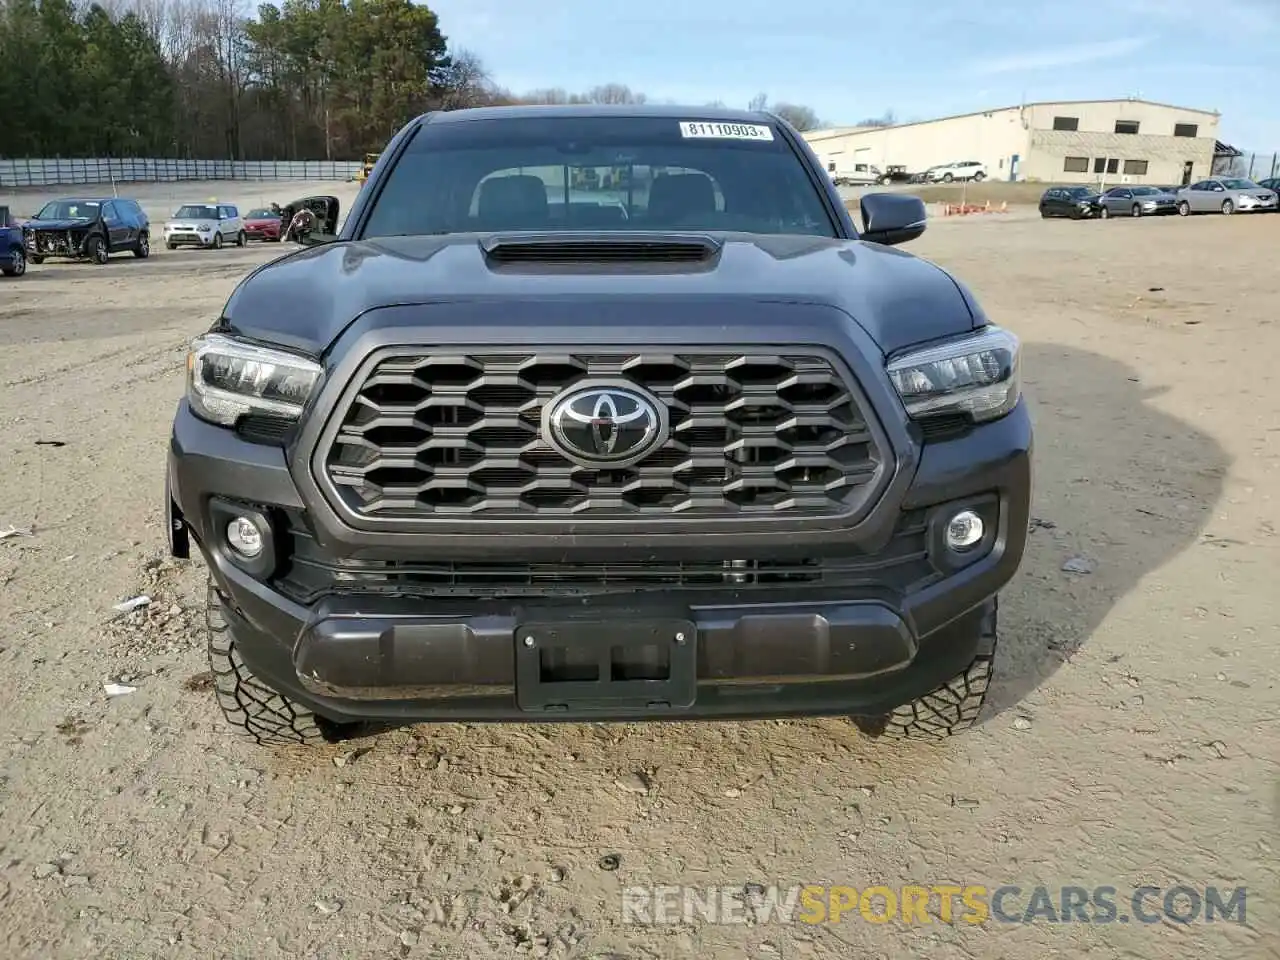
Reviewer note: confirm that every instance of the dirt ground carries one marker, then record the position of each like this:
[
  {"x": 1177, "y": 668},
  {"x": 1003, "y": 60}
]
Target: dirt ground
[{"x": 1133, "y": 737}]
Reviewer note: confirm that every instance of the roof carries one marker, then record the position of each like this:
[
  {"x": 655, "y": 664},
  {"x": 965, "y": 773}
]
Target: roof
[
  {"x": 713, "y": 114},
  {"x": 845, "y": 131}
]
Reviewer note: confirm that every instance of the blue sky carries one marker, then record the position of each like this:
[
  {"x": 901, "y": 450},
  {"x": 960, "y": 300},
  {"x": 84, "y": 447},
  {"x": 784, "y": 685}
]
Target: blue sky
[{"x": 851, "y": 59}]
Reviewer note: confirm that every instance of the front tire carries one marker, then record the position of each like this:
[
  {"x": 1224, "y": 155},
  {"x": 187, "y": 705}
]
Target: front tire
[
  {"x": 241, "y": 239},
  {"x": 217, "y": 241},
  {"x": 1228, "y": 208},
  {"x": 979, "y": 177},
  {"x": 142, "y": 249},
  {"x": 265, "y": 715},
  {"x": 1184, "y": 208},
  {"x": 949, "y": 710},
  {"x": 96, "y": 250},
  {"x": 1137, "y": 210},
  {"x": 1104, "y": 214},
  {"x": 947, "y": 178}
]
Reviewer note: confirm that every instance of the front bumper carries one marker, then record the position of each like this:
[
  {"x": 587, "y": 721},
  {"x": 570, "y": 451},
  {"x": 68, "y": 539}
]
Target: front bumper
[
  {"x": 179, "y": 238},
  {"x": 861, "y": 647}
]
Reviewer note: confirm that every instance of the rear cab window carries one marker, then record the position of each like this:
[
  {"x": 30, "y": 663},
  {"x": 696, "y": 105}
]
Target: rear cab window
[{"x": 598, "y": 173}]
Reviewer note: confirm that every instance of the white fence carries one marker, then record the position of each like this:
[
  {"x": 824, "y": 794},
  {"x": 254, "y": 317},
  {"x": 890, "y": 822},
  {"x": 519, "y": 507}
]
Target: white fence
[{"x": 48, "y": 173}]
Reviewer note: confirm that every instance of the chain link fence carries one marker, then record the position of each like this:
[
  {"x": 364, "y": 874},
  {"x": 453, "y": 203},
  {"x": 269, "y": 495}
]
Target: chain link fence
[
  {"x": 36, "y": 172},
  {"x": 1255, "y": 165}
]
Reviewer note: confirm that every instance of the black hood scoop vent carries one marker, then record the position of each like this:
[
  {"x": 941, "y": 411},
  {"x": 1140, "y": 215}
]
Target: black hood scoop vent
[{"x": 607, "y": 248}]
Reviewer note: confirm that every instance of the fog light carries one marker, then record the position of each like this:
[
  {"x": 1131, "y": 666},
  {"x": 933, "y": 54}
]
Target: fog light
[
  {"x": 964, "y": 530},
  {"x": 246, "y": 539}
]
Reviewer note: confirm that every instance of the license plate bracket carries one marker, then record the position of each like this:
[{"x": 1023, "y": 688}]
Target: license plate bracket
[{"x": 606, "y": 666}]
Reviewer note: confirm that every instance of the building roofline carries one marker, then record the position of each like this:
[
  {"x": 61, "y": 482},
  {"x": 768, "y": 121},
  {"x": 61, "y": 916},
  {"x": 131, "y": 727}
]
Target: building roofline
[{"x": 829, "y": 132}]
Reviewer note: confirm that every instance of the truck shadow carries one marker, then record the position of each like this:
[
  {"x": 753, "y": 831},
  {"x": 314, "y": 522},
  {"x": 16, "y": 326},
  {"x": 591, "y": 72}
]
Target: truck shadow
[{"x": 1121, "y": 488}]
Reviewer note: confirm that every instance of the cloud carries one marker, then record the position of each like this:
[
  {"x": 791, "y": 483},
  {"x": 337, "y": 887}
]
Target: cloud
[{"x": 1057, "y": 56}]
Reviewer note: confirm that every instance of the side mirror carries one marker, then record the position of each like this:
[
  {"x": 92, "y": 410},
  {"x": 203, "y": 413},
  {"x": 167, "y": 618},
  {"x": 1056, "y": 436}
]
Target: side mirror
[
  {"x": 315, "y": 239},
  {"x": 892, "y": 218}
]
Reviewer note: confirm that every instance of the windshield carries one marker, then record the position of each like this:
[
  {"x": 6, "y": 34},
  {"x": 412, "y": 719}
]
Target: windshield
[
  {"x": 1239, "y": 184},
  {"x": 1145, "y": 191},
  {"x": 598, "y": 173},
  {"x": 261, "y": 213},
  {"x": 69, "y": 210},
  {"x": 1079, "y": 192},
  {"x": 196, "y": 211}
]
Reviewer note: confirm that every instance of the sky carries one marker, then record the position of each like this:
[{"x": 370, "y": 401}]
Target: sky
[{"x": 853, "y": 59}]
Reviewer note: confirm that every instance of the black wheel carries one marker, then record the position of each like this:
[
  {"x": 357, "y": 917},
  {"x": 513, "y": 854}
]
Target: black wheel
[
  {"x": 96, "y": 250},
  {"x": 1137, "y": 210},
  {"x": 170, "y": 245},
  {"x": 979, "y": 177},
  {"x": 142, "y": 249},
  {"x": 947, "y": 178},
  {"x": 18, "y": 264},
  {"x": 1184, "y": 208},
  {"x": 241, "y": 239},
  {"x": 1104, "y": 213},
  {"x": 1228, "y": 208},
  {"x": 246, "y": 702},
  {"x": 217, "y": 241},
  {"x": 952, "y": 708}
]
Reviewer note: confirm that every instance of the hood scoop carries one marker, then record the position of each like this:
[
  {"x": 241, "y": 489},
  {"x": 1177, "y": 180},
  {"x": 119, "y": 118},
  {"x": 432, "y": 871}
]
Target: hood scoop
[{"x": 589, "y": 248}]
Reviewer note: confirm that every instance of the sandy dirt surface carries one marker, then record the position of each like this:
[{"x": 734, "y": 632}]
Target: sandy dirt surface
[{"x": 1133, "y": 737}]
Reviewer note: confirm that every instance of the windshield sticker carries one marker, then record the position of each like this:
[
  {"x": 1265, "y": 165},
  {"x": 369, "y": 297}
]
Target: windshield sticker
[{"x": 698, "y": 130}]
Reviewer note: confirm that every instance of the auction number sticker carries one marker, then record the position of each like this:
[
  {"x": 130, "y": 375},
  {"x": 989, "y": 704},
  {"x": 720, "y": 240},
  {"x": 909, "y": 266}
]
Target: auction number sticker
[{"x": 699, "y": 130}]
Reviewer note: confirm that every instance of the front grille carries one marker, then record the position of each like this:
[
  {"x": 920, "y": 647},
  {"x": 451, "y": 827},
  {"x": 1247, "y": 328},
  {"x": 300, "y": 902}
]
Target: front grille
[
  {"x": 438, "y": 435},
  {"x": 310, "y": 573}
]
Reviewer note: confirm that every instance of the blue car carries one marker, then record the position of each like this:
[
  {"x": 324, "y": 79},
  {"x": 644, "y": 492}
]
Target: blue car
[{"x": 13, "y": 258}]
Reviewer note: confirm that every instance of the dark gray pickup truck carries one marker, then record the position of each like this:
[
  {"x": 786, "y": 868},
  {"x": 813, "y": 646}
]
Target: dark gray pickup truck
[{"x": 521, "y": 444}]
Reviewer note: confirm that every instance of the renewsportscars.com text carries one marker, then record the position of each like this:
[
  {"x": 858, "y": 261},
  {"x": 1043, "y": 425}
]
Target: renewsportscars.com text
[{"x": 924, "y": 904}]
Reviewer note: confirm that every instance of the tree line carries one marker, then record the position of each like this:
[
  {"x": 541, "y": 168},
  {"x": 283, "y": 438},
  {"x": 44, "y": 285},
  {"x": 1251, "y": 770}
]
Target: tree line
[{"x": 300, "y": 80}]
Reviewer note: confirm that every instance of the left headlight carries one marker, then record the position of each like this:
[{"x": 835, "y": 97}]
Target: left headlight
[
  {"x": 975, "y": 376},
  {"x": 228, "y": 378}
]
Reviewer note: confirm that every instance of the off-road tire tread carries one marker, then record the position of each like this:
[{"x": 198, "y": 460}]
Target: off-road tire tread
[
  {"x": 949, "y": 710},
  {"x": 261, "y": 712}
]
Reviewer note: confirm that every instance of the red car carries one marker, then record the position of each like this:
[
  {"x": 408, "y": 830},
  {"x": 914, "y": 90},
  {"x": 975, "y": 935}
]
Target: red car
[{"x": 262, "y": 224}]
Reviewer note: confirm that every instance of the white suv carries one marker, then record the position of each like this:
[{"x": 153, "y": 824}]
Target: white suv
[
  {"x": 963, "y": 170},
  {"x": 205, "y": 225}
]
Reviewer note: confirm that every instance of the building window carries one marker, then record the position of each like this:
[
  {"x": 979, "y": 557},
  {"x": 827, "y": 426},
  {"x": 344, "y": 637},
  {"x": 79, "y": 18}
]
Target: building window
[
  {"x": 1066, "y": 123},
  {"x": 1126, "y": 126},
  {"x": 1106, "y": 165},
  {"x": 831, "y": 167},
  {"x": 1076, "y": 165},
  {"x": 1135, "y": 168},
  {"x": 1186, "y": 129}
]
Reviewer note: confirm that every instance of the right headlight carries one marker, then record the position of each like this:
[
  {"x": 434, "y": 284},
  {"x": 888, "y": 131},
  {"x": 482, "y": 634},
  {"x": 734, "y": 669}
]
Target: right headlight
[
  {"x": 975, "y": 376},
  {"x": 228, "y": 378}
]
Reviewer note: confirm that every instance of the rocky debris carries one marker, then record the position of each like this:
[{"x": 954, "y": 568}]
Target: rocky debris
[
  {"x": 1022, "y": 723},
  {"x": 636, "y": 783},
  {"x": 1081, "y": 565},
  {"x": 165, "y": 625}
]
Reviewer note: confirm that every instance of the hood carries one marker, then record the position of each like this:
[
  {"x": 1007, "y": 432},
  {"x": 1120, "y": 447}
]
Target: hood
[
  {"x": 305, "y": 300},
  {"x": 67, "y": 224}
]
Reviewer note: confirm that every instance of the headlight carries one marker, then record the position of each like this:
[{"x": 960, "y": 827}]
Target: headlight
[
  {"x": 977, "y": 376},
  {"x": 227, "y": 378}
]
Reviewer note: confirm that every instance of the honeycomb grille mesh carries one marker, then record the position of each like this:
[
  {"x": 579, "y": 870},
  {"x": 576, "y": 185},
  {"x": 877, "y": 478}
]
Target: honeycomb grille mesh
[{"x": 459, "y": 435}]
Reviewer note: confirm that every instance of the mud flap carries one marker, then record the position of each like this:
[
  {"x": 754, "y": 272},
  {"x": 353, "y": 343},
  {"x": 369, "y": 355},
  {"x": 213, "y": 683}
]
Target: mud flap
[{"x": 176, "y": 525}]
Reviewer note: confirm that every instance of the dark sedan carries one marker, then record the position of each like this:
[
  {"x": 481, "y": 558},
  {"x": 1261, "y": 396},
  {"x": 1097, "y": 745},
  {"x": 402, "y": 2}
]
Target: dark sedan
[
  {"x": 1136, "y": 202},
  {"x": 1272, "y": 184},
  {"x": 1078, "y": 203}
]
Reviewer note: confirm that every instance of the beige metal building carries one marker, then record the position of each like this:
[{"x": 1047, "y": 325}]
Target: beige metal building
[{"x": 1071, "y": 141}]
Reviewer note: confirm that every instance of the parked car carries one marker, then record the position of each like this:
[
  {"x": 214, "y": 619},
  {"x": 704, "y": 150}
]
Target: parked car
[
  {"x": 13, "y": 258},
  {"x": 1272, "y": 184},
  {"x": 207, "y": 225},
  {"x": 87, "y": 228},
  {"x": 961, "y": 170},
  {"x": 1225, "y": 195},
  {"x": 1078, "y": 203},
  {"x": 1139, "y": 201},
  {"x": 262, "y": 223},
  {"x": 721, "y": 503},
  {"x": 896, "y": 173}
]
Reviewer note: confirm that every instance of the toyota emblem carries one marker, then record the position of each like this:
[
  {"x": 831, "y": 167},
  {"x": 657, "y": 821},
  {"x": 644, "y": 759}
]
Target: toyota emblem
[{"x": 605, "y": 424}]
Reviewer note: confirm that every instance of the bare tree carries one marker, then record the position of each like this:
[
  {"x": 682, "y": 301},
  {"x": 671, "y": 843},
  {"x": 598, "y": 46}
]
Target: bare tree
[
  {"x": 614, "y": 93},
  {"x": 799, "y": 116},
  {"x": 758, "y": 102},
  {"x": 886, "y": 119}
]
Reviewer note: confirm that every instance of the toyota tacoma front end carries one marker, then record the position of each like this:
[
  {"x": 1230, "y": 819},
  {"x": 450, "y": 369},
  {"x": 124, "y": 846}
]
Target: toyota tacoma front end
[{"x": 510, "y": 449}]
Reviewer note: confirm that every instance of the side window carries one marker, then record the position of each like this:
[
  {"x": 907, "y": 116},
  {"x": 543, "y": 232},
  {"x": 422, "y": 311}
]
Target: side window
[
  {"x": 860, "y": 167},
  {"x": 109, "y": 212},
  {"x": 232, "y": 212}
]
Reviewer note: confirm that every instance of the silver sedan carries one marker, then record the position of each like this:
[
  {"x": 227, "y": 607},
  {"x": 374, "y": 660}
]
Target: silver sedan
[
  {"x": 1225, "y": 195},
  {"x": 1135, "y": 202}
]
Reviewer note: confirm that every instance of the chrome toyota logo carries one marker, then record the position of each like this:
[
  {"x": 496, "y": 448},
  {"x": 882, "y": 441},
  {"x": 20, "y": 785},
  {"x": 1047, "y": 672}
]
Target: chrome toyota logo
[{"x": 605, "y": 423}]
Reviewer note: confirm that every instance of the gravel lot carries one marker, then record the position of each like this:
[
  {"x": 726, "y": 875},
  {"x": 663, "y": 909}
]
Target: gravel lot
[{"x": 1132, "y": 740}]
